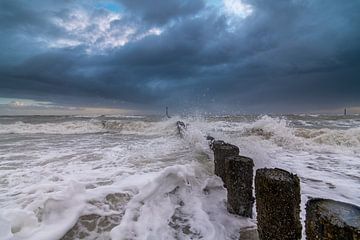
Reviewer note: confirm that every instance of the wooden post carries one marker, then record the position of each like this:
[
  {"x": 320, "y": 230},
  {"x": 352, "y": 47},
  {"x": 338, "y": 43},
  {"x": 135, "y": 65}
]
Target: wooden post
[
  {"x": 223, "y": 150},
  {"x": 331, "y": 220},
  {"x": 239, "y": 182},
  {"x": 181, "y": 127},
  {"x": 277, "y": 204}
]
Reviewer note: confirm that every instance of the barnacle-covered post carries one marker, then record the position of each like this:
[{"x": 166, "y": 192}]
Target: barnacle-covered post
[
  {"x": 181, "y": 127},
  {"x": 332, "y": 220},
  {"x": 239, "y": 182},
  {"x": 277, "y": 204},
  {"x": 222, "y": 150}
]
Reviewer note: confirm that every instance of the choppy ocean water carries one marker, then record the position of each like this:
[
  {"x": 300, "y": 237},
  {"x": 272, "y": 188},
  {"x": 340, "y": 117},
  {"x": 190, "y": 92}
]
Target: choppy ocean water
[{"x": 134, "y": 178}]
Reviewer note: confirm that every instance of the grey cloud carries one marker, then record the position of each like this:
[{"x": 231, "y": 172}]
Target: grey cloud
[
  {"x": 288, "y": 55},
  {"x": 160, "y": 12}
]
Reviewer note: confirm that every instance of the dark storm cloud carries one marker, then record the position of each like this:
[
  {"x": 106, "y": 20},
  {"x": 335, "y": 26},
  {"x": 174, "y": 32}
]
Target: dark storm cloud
[
  {"x": 13, "y": 14},
  {"x": 29, "y": 17},
  {"x": 72, "y": 74},
  {"x": 287, "y": 55}
]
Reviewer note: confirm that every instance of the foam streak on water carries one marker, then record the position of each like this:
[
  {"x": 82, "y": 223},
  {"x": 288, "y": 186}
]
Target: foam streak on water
[{"x": 134, "y": 178}]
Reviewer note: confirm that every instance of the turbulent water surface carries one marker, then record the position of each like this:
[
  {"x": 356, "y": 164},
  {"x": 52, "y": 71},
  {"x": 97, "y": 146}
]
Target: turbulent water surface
[{"x": 135, "y": 178}]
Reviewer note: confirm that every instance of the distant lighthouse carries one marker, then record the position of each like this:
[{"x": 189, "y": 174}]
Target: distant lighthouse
[{"x": 167, "y": 112}]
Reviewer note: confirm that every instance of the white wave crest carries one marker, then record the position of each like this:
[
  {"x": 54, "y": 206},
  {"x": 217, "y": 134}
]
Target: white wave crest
[
  {"x": 178, "y": 205},
  {"x": 91, "y": 126},
  {"x": 70, "y": 127},
  {"x": 335, "y": 137},
  {"x": 141, "y": 127},
  {"x": 281, "y": 132}
]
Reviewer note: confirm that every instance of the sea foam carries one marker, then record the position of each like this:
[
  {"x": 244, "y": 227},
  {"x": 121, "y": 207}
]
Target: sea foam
[{"x": 137, "y": 179}]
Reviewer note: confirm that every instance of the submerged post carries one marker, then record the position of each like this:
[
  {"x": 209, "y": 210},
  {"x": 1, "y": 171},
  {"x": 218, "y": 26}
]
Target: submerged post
[
  {"x": 277, "y": 204},
  {"x": 181, "y": 127},
  {"x": 239, "y": 181},
  {"x": 167, "y": 112},
  {"x": 331, "y": 220},
  {"x": 222, "y": 150}
]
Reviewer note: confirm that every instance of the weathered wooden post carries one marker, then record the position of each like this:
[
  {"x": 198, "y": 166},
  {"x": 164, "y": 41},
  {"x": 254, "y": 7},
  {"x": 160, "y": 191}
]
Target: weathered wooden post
[
  {"x": 239, "y": 181},
  {"x": 332, "y": 220},
  {"x": 277, "y": 204},
  {"x": 222, "y": 150},
  {"x": 181, "y": 127}
]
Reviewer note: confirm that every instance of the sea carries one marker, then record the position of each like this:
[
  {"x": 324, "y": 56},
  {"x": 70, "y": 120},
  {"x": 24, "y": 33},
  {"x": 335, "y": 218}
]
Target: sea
[{"x": 135, "y": 178}]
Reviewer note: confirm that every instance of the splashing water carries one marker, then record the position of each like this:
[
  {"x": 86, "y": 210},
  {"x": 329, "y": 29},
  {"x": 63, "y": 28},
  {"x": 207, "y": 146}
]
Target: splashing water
[{"x": 134, "y": 178}]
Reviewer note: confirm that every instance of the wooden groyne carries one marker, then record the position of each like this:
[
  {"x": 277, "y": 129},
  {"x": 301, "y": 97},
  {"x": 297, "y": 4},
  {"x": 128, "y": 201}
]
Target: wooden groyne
[
  {"x": 181, "y": 128},
  {"x": 277, "y": 204},
  {"x": 277, "y": 199},
  {"x": 223, "y": 150},
  {"x": 329, "y": 219},
  {"x": 239, "y": 185}
]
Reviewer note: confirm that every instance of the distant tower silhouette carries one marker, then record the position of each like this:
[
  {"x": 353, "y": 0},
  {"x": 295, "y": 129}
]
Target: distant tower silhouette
[
  {"x": 345, "y": 112},
  {"x": 167, "y": 112}
]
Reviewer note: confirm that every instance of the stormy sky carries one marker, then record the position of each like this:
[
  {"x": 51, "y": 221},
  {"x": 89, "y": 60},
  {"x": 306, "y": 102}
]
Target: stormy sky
[{"x": 230, "y": 56}]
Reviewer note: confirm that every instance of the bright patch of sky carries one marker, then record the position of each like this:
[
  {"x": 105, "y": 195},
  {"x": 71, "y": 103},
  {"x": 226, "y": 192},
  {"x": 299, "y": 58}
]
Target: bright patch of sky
[
  {"x": 111, "y": 6},
  {"x": 233, "y": 8},
  {"x": 16, "y": 102},
  {"x": 238, "y": 8},
  {"x": 99, "y": 32},
  {"x": 99, "y": 29},
  {"x": 19, "y": 106}
]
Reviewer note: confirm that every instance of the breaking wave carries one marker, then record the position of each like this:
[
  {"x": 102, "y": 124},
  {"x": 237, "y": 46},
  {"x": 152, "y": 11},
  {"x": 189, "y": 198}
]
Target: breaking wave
[
  {"x": 346, "y": 138},
  {"x": 140, "y": 127},
  {"x": 90, "y": 126},
  {"x": 187, "y": 208},
  {"x": 70, "y": 127},
  {"x": 284, "y": 132},
  {"x": 155, "y": 185},
  {"x": 279, "y": 130}
]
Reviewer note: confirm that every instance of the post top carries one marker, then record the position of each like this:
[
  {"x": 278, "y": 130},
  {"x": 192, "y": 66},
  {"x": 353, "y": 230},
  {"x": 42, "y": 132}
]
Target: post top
[
  {"x": 276, "y": 174},
  {"x": 219, "y": 144},
  {"x": 238, "y": 158},
  {"x": 228, "y": 146}
]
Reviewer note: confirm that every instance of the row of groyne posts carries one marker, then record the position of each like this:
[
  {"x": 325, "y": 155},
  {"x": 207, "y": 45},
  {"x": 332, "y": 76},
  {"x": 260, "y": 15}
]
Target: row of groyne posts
[{"x": 277, "y": 195}]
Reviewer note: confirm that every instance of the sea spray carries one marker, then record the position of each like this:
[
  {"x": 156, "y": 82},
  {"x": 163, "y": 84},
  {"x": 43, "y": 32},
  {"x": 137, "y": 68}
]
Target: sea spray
[{"x": 43, "y": 158}]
